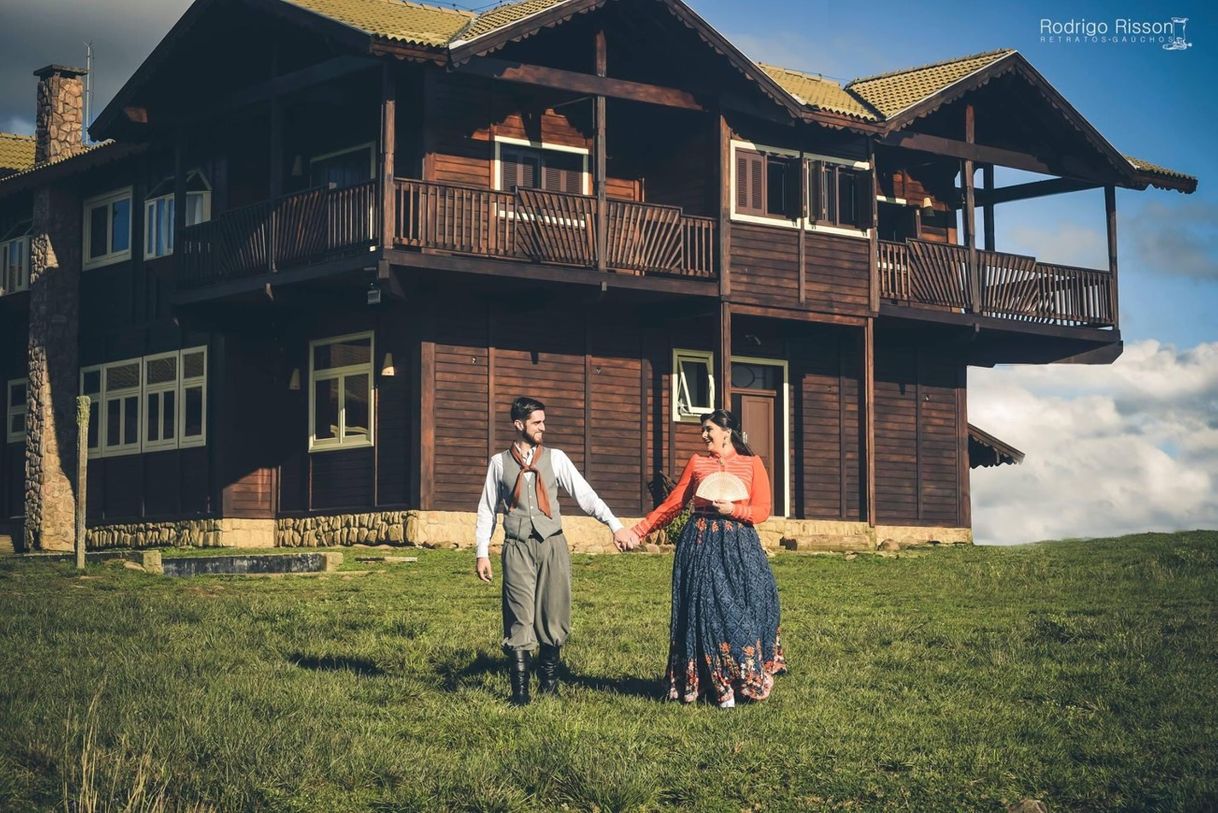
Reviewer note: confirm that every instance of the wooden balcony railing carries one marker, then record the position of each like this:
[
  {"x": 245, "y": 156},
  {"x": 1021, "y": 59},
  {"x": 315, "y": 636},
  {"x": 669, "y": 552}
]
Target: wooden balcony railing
[
  {"x": 265, "y": 237},
  {"x": 1010, "y": 286},
  {"x": 552, "y": 227}
]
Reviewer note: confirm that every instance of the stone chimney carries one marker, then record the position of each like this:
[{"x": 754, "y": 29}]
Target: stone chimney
[{"x": 61, "y": 112}]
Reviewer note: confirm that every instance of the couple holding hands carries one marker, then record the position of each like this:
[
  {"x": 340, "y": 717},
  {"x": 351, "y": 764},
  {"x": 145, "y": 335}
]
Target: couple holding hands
[{"x": 724, "y": 640}]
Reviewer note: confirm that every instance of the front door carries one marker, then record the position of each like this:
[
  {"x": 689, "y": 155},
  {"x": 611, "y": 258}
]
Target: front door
[{"x": 756, "y": 400}]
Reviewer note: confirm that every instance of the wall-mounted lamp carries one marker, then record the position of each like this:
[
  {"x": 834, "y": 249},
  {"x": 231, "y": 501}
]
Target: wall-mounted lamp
[
  {"x": 294, "y": 380},
  {"x": 387, "y": 370}
]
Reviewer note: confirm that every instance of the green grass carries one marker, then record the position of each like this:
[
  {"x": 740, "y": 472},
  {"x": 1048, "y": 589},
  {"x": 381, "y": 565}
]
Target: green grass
[{"x": 1082, "y": 673}]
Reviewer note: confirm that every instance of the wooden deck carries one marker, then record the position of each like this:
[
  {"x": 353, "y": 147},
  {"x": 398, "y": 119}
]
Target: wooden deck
[{"x": 923, "y": 274}]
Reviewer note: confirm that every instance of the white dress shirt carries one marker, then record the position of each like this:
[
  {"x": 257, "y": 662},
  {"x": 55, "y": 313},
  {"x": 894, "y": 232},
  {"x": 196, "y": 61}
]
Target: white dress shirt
[{"x": 572, "y": 482}]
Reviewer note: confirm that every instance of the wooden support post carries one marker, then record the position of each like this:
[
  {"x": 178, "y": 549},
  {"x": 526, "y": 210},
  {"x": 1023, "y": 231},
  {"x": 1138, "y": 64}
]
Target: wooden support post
[
  {"x": 427, "y": 421},
  {"x": 82, "y": 473},
  {"x": 874, "y": 285},
  {"x": 725, "y": 207},
  {"x": 1111, "y": 219},
  {"x": 602, "y": 211},
  {"x": 388, "y": 150},
  {"x": 965, "y": 507},
  {"x": 723, "y": 355},
  {"x": 803, "y": 219},
  {"x": 987, "y": 180},
  {"x": 970, "y": 215},
  {"x": 869, "y": 419}
]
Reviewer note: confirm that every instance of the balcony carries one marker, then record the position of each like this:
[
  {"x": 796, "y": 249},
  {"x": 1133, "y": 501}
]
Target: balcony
[
  {"x": 529, "y": 225},
  {"x": 922, "y": 274}
]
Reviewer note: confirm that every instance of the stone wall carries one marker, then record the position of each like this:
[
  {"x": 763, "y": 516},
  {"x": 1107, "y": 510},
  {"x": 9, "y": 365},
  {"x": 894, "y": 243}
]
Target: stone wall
[
  {"x": 196, "y": 533},
  {"x": 381, "y": 528},
  {"x": 60, "y": 116}
]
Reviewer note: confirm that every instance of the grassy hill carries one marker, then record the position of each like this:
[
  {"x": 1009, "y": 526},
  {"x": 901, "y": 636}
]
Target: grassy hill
[{"x": 1081, "y": 673}]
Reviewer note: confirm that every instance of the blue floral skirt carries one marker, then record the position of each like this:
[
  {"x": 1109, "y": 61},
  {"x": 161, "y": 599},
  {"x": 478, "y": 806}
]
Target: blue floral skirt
[{"x": 724, "y": 639}]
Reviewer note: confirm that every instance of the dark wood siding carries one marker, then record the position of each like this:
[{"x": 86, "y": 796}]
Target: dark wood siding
[
  {"x": 765, "y": 269},
  {"x": 461, "y": 389}
]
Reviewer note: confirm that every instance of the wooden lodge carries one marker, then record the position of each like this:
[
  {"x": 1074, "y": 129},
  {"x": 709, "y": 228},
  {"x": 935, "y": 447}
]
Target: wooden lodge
[{"x": 320, "y": 245}]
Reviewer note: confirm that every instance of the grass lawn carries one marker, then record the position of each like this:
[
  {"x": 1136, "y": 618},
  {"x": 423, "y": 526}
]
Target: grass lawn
[{"x": 1081, "y": 673}]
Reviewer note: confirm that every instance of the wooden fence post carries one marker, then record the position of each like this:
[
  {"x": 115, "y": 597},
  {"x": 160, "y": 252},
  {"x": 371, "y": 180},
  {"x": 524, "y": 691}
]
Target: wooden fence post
[{"x": 82, "y": 469}]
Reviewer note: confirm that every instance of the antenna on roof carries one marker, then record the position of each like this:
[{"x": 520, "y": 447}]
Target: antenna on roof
[{"x": 84, "y": 131}]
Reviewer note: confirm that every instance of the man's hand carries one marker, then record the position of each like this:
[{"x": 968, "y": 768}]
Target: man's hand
[
  {"x": 483, "y": 569},
  {"x": 625, "y": 539}
]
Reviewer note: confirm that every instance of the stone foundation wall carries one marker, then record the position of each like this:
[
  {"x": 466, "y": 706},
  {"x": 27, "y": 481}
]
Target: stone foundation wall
[
  {"x": 382, "y": 528},
  {"x": 188, "y": 533}
]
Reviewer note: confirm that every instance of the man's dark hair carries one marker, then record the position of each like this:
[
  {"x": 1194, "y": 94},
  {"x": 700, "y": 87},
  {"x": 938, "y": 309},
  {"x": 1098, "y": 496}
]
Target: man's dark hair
[{"x": 524, "y": 406}]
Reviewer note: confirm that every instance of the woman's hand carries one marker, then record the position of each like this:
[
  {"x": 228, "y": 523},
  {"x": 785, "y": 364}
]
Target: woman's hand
[{"x": 724, "y": 506}]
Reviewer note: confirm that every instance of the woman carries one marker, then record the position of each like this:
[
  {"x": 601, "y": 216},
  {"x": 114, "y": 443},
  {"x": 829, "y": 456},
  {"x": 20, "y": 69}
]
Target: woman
[{"x": 724, "y": 637}]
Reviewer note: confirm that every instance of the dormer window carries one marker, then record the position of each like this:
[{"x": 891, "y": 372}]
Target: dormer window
[{"x": 158, "y": 212}]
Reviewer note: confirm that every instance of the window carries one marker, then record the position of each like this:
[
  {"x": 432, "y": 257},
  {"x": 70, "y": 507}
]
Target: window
[
  {"x": 693, "y": 384},
  {"x": 15, "y": 259},
  {"x": 108, "y": 229},
  {"x": 147, "y": 404},
  {"x": 15, "y": 413},
  {"x": 839, "y": 195},
  {"x": 340, "y": 392},
  {"x": 348, "y": 167},
  {"x": 767, "y": 184},
  {"x": 542, "y": 168},
  {"x": 158, "y": 212}
]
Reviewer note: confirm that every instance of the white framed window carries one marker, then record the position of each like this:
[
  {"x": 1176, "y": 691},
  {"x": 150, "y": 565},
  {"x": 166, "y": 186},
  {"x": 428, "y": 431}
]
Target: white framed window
[
  {"x": 693, "y": 384},
  {"x": 108, "y": 228},
  {"x": 15, "y": 263},
  {"x": 340, "y": 392},
  {"x": 160, "y": 414},
  {"x": 14, "y": 414},
  {"x": 540, "y": 165},
  {"x": 121, "y": 394},
  {"x": 192, "y": 397},
  {"x": 91, "y": 385},
  {"x": 345, "y": 167},
  {"x": 159, "y": 209}
]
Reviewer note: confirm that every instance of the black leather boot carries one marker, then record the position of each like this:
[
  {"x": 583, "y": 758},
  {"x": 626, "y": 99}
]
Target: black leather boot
[
  {"x": 518, "y": 671},
  {"x": 547, "y": 670}
]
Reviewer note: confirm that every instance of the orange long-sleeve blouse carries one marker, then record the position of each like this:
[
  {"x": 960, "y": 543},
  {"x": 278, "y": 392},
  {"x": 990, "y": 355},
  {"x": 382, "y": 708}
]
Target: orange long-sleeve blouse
[{"x": 747, "y": 467}]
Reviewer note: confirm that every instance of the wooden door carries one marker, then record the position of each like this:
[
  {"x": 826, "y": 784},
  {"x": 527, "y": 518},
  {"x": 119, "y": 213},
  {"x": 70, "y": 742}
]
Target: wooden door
[{"x": 758, "y": 412}]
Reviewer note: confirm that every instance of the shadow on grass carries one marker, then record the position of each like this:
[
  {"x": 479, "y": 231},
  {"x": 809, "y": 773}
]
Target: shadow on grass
[
  {"x": 470, "y": 673},
  {"x": 336, "y": 663}
]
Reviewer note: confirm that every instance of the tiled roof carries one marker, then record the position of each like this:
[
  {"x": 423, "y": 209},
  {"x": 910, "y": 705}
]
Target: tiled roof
[
  {"x": 412, "y": 23},
  {"x": 16, "y": 152},
  {"x": 816, "y": 91},
  {"x": 89, "y": 149},
  {"x": 1155, "y": 169},
  {"x": 890, "y": 93},
  {"x": 502, "y": 15}
]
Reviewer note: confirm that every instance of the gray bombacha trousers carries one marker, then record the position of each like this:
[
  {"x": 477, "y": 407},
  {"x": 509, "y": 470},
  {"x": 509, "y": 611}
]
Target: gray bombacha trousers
[{"x": 536, "y": 592}]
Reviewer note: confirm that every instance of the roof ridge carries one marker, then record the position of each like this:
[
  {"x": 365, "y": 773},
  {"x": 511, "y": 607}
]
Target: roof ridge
[
  {"x": 814, "y": 76},
  {"x": 479, "y": 16},
  {"x": 434, "y": 7},
  {"x": 939, "y": 64},
  {"x": 18, "y": 135}
]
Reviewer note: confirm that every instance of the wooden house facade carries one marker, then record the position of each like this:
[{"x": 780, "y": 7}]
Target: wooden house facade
[{"x": 309, "y": 271}]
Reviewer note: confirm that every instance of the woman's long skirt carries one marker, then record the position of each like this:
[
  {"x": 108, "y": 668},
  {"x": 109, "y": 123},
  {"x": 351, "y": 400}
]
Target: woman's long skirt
[{"x": 724, "y": 637}]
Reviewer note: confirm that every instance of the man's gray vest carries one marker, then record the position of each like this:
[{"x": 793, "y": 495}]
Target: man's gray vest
[{"x": 522, "y": 520}]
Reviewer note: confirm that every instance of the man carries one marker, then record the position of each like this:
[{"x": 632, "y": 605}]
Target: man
[{"x": 536, "y": 562}]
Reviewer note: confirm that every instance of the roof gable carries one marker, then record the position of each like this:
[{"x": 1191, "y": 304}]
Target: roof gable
[
  {"x": 897, "y": 91},
  {"x": 819, "y": 93}
]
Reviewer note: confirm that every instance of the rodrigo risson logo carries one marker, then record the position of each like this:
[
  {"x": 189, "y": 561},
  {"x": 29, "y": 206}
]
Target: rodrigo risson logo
[{"x": 1171, "y": 34}]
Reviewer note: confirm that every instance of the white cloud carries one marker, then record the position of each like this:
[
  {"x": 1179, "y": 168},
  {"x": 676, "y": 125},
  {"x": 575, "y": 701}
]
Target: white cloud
[
  {"x": 1180, "y": 238},
  {"x": 1110, "y": 449}
]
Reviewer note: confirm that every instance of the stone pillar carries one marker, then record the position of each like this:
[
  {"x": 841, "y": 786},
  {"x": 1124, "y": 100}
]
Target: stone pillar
[{"x": 55, "y": 261}]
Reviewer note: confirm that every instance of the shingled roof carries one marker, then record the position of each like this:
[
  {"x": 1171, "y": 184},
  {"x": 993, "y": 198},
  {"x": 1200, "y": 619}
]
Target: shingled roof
[
  {"x": 397, "y": 20},
  {"x": 1152, "y": 172},
  {"x": 892, "y": 92},
  {"x": 493, "y": 19},
  {"x": 16, "y": 153},
  {"x": 817, "y": 92}
]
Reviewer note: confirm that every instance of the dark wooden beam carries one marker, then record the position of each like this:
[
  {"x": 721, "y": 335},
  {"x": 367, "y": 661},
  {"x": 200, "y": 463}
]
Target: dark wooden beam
[
  {"x": 1034, "y": 189},
  {"x": 724, "y": 139},
  {"x": 558, "y": 79},
  {"x": 796, "y": 315},
  {"x": 962, "y": 150},
  {"x": 802, "y": 246},
  {"x": 998, "y": 324},
  {"x": 987, "y": 181},
  {"x": 873, "y": 260},
  {"x": 388, "y": 150},
  {"x": 869, "y": 420},
  {"x": 1110, "y": 218},
  {"x": 964, "y": 508},
  {"x": 970, "y": 214},
  {"x": 602, "y": 208},
  {"x": 723, "y": 355}
]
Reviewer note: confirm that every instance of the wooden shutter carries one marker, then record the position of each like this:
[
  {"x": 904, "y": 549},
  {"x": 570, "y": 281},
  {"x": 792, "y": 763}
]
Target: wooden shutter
[
  {"x": 509, "y": 176},
  {"x": 563, "y": 172},
  {"x": 864, "y": 196},
  {"x": 750, "y": 179},
  {"x": 792, "y": 205}
]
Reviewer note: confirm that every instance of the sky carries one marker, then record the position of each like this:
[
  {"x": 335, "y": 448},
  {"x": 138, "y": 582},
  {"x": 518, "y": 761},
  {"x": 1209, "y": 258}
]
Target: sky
[{"x": 1110, "y": 449}]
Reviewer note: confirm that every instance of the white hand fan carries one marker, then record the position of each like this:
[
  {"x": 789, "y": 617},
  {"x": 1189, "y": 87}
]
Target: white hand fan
[{"x": 722, "y": 486}]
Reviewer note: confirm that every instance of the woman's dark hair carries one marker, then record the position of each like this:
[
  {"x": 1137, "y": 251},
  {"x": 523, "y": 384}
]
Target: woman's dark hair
[
  {"x": 524, "y": 406},
  {"x": 726, "y": 420}
]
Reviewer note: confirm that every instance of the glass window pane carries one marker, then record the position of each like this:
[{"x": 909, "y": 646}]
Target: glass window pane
[
  {"x": 99, "y": 231},
  {"x": 123, "y": 376},
  {"x": 154, "y": 416},
  {"x": 113, "y": 421},
  {"x": 94, "y": 423},
  {"x": 169, "y": 399},
  {"x": 192, "y": 364},
  {"x": 355, "y": 406},
  {"x": 16, "y": 424},
  {"x": 342, "y": 354},
  {"x": 325, "y": 409},
  {"x": 776, "y": 186},
  {"x": 91, "y": 382},
  {"x": 697, "y": 379},
  {"x": 131, "y": 419},
  {"x": 194, "y": 208},
  {"x": 150, "y": 224},
  {"x": 167, "y": 226},
  {"x": 120, "y": 225},
  {"x": 192, "y": 403},
  {"x": 162, "y": 370},
  {"x": 845, "y": 198},
  {"x": 16, "y": 395}
]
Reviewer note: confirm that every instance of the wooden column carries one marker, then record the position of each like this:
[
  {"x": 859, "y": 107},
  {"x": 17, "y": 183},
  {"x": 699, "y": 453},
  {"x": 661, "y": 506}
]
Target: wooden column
[
  {"x": 987, "y": 180},
  {"x": 388, "y": 149},
  {"x": 970, "y": 215},
  {"x": 602, "y": 212},
  {"x": 965, "y": 506},
  {"x": 723, "y": 355},
  {"x": 725, "y": 206},
  {"x": 874, "y": 285},
  {"x": 869, "y": 419},
  {"x": 426, "y": 401},
  {"x": 1111, "y": 218},
  {"x": 802, "y": 270}
]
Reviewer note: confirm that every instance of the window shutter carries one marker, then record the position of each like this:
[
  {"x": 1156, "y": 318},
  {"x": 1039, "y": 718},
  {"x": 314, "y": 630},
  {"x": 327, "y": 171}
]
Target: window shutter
[
  {"x": 742, "y": 181},
  {"x": 508, "y": 170},
  {"x": 816, "y": 192},
  {"x": 791, "y": 205},
  {"x": 750, "y": 175},
  {"x": 756, "y": 183},
  {"x": 864, "y": 197}
]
